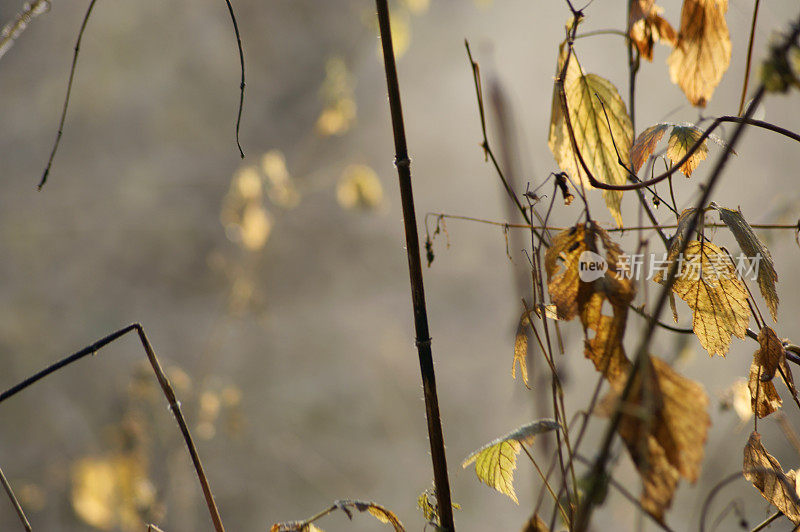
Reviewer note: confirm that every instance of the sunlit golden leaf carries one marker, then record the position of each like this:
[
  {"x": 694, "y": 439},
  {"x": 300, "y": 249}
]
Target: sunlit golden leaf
[
  {"x": 681, "y": 141},
  {"x": 648, "y": 27},
  {"x": 707, "y": 282},
  {"x": 521, "y": 349},
  {"x": 752, "y": 246},
  {"x": 766, "y": 474},
  {"x": 359, "y": 187},
  {"x": 645, "y": 144},
  {"x": 495, "y": 462},
  {"x": 586, "y": 95},
  {"x": 703, "y": 51},
  {"x": 340, "y": 109}
]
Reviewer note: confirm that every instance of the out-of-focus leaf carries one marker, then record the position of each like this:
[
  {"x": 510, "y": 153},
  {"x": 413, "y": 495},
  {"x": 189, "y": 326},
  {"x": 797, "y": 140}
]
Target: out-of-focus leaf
[
  {"x": 645, "y": 144},
  {"x": 109, "y": 492},
  {"x": 648, "y": 27},
  {"x": 586, "y": 95},
  {"x": 681, "y": 140},
  {"x": 359, "y": 187},
  {"x": 766, "y": 474},
  {"x": 535, "y": 524},
  {"x": 521, "y": 349},
  {"x": 339, "y": 113},
  {"x": 752, "y": 247},
  {"x": 707, "y": 282},
  {"x": 703, "y": 51},
  {"x": 737, "y": 398},
  {"x": 495, "y": 462}
]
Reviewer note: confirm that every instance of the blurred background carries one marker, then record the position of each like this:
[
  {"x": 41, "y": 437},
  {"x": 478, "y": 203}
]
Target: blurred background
[{"x": 275, "y": 288}]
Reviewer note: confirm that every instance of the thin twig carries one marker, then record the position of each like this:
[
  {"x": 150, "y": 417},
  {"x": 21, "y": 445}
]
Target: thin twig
[
  {"x": 14, "y": 29},
  {"x": 13, "y": 498},
  {"x": 63, "y": 118},
  {"x": 749, "y": 57},
  {"x": 241, "y": 85},
  {"x": 166, "y": 387},
  {"x": 403, "y": 164}
]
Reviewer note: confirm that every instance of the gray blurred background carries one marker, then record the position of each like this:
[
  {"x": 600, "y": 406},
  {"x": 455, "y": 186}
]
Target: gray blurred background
[{"x": 291, "y": 346}]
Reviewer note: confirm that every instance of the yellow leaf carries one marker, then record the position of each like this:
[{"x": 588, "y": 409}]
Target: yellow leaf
[
  {"x": 703, "y": 51},
  {"x": 647, "y": 27},
  {"x": 766, "y": 474},
  {"x": 521, "y": 350},
  {"x": 681, "y": 140},
  {"x": 110, "y": 492},
  {"x": 337, "y": 90},
  {"x": 359, "y": 187},
  {"x": 495, "y": 462},
  {"x": 707, "y": 282},
  {"x": 752, "y": 247},
  {"x": 764, "y": 398},
  {"x": 591, "y": 131}
]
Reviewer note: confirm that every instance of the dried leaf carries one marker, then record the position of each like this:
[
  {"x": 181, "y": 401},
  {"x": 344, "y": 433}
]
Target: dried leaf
[
  {"x": 521, "y": 349},
  {"x": 586, "y": 95},
  {"x": 645, "y": 144},
  {"x": 495, "y": 462},
  {"x": 707, "y": 282},
  {"x": 766, "y": 474},
  {"x": 681, "y": 140},
  {"x": 752, "y": 246},
  {"x": 346, "y": 505},
  {"x": 703, "y": 51},
  {"x": 764, "y": 398},
  {"x": 771, "y": 353},
  {"x": 647, "y": 27},
  {"x": 572, "y": 295},
  {"x": 667, "y": 436}
]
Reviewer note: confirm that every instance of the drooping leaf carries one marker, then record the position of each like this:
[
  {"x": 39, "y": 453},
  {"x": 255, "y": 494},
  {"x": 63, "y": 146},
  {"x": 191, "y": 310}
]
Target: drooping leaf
[
  {"x": 666, "y": 440},
  {"x": 703, "y": 51},
  {"x": 521, "y": 349},
  {"x": 586, "y": 96},
  {"x": 572, "y": 295},
  {"x": 645, "y": 144},
  {"x": 766, "y": 474},
  {"x": 764, "y": 398},
  {"x": 707, "y": 282},
  {"x": 681, "y": 140},
  {"x": 648, "y": 27},
  {"x": 752, "y": 247},
  {"x": 770, "y": 354},
  {"x": 495, "y": 462}
]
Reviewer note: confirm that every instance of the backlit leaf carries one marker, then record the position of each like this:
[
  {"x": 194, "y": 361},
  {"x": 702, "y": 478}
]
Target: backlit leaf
[
  {"x": 752, "y": 247},
  {"x": 681, "y": 140},
  {"x": 707, "y": 282},
  {"x": 645, "y": 144},
  {"x": 495, "y": 462},
  {"x": 571, "y": 295},
  {"x": 647, "y": 27},
  {"x": 586, "y": 95},
  {"x": 766, "y": 474},
  {"x": 703, "y": 51},
  {"x": 764, "y": 398}
]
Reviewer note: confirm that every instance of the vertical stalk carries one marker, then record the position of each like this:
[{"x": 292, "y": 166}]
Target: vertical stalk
[{"x": 423, "y": 340}]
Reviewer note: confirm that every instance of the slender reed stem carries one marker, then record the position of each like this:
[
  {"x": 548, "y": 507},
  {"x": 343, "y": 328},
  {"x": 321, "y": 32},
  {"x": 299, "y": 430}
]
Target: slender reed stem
[
  {"x": 749, "y": 57},
  {"x": 423, "y": 339},
  {"x": 13, "y": 498}
]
